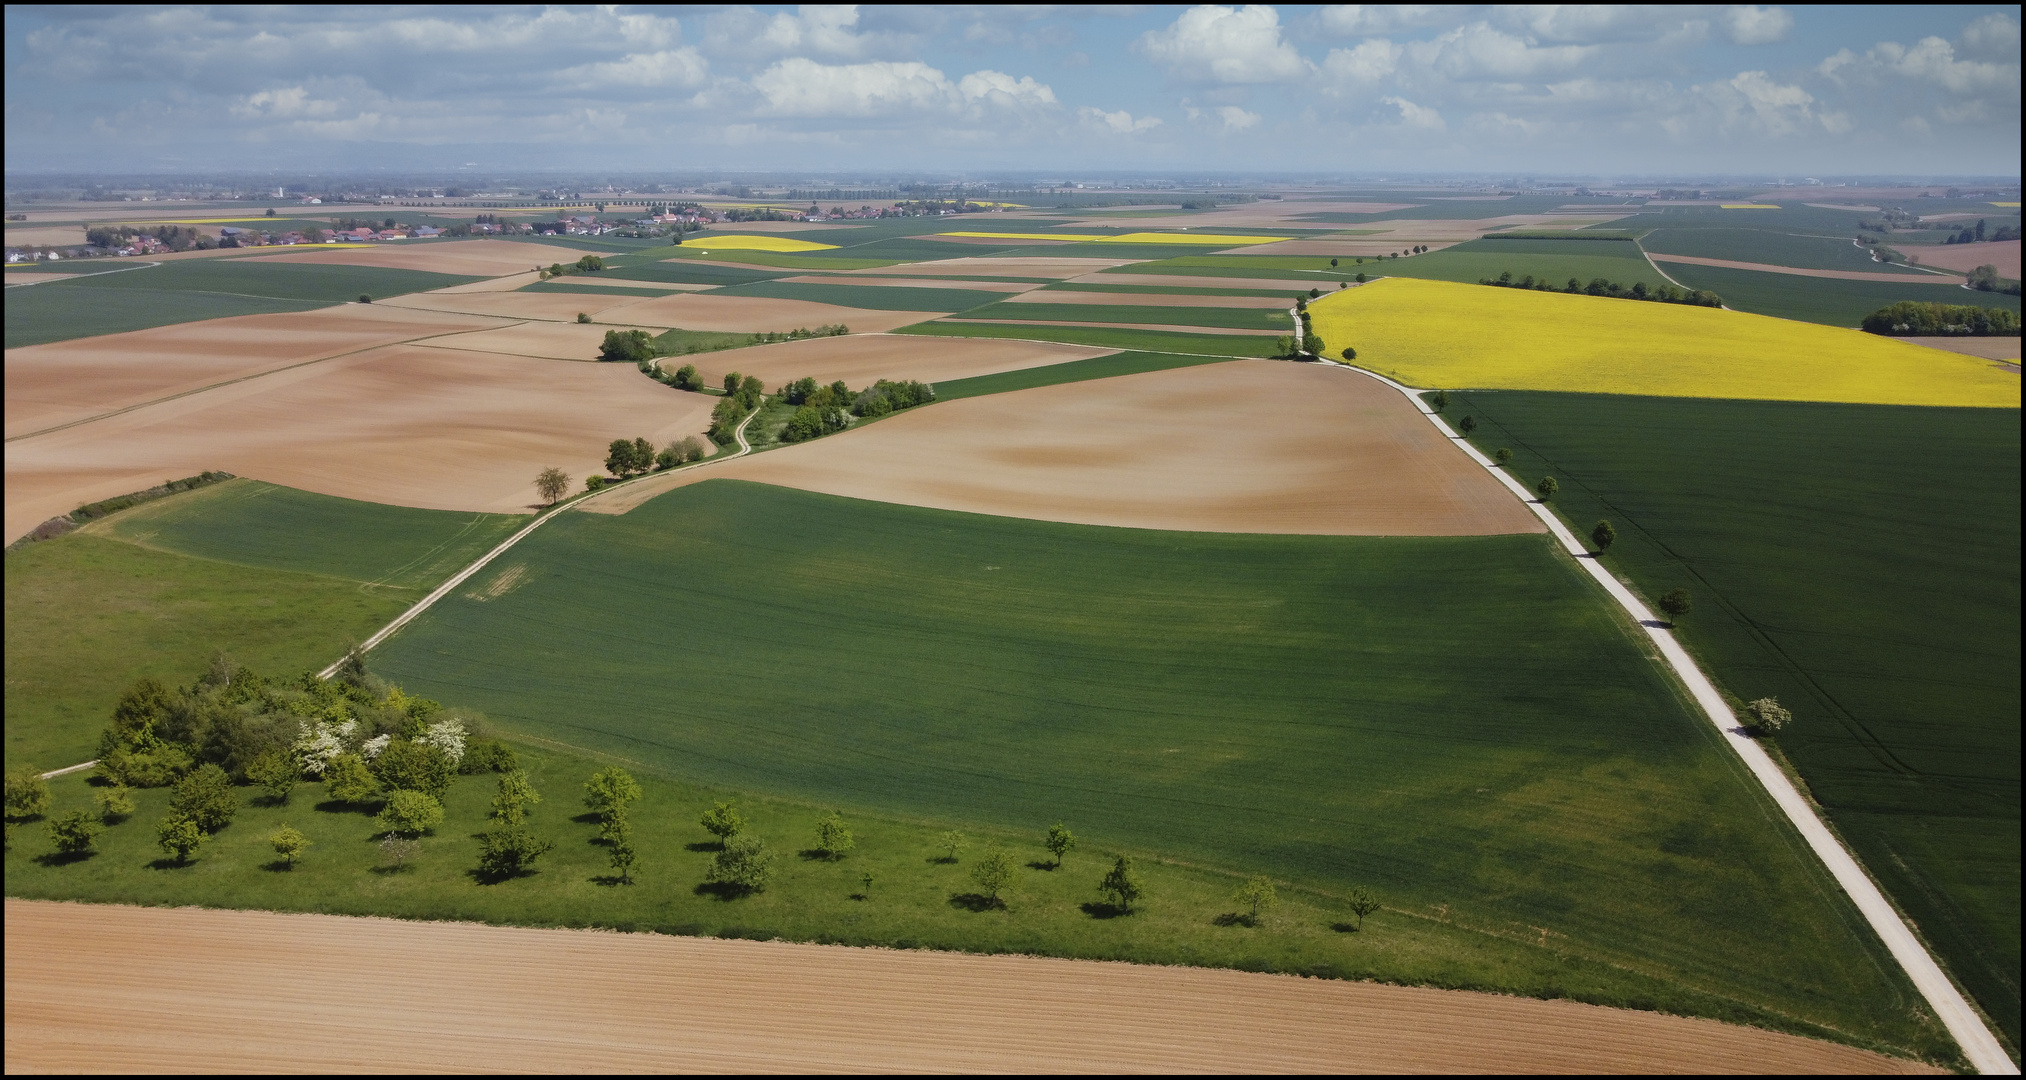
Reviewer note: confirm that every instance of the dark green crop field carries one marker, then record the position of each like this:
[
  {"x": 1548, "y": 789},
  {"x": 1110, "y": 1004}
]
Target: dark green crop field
[
  {"x": 575, "y": 285},
  {"x": 874, "y": 297},
  {"x": 1790, "y": 246},
  {"x": 1860, "y": 563},
  {"x": 1106, "y": 337},
  {"x": 1098, "y": 367},
  {"x": 1232, "y": 318},
  {"x": 691, "y": 272},
  {"x": 1830, "y": 301},
  {"x": 1259, "y": 266},
  {"x": 1459, "y": 722},
  {"x": 1554, "y": 261},
  {"x": 1177, "y": 290}
]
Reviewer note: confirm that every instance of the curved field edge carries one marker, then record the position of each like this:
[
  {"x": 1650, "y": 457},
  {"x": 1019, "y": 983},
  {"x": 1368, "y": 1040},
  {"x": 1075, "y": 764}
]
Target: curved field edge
[
  {"x": 1877, "y": 564},
  {"x": 1255, "y": 703},
  {"x": 1440, "y": 334}
]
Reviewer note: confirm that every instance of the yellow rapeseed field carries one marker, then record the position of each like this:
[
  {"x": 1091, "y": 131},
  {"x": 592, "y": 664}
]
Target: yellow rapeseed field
[
  {"x": 748, "y": 242},
  {"x": 1207, "y": 239},
  {"x": 1442, "y": 334}
]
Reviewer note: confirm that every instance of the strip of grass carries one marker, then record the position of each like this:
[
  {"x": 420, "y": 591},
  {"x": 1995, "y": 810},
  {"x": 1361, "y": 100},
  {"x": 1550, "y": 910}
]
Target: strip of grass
[
  {"x": 325, "y": 282},
  {"x": 1232, "y": 318},
  {"x": 1830, "y": 301},
  {"x": 872, "y": 297},
  {"x": 45, "y": 313},
  {"x": 1098, "y": 367},
  {"x": 1105, "y": 337},
  {"x": 1458, "y": 722},
  {"x": 1860, "y": 563},
  {"x": 685, "y": 342}
]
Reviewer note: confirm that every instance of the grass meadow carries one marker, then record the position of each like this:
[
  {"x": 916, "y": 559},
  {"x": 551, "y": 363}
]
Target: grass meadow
[
  {"x": 1459, "y": 723},
  {"x": 1860, "y": 563},
  {"x": 1440, "y": 334},
  {"x": 1158, "y": 341},
  {"x": 1828, "y": 301}
]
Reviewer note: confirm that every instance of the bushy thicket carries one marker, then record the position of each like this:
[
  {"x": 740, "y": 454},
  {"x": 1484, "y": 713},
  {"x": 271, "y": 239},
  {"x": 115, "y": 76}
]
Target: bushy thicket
[
  {"x": 824, "y": 409},
  {"x": 1925, "y": 318},
  {"x": 91, "y": 511},
  {"x": 1986, "y": 279},
  {"x": 743, "y": 394},
  {"x": 631, "y": 346},
  {"x": 1665, "y": 294}
]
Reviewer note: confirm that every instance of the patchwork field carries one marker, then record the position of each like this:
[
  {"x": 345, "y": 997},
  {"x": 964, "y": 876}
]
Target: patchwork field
[
  {"x": 61, "y": 383},
  {"x": 1825, "y": 581},
  {"x": 553, "y": 340},
  {"x": 754, "y": 314},
  {"x": 74, "y": 973},
  {"x": 405, "y": 424},
  {"x": 1898, "y": 277},
  {"x": 1112, "y": 299},
  {"x": 1430, "y": 333},
  {"x": 1030, "y": 267},
  {"x": 552, "y": 307},
  {"x": 1246, "y": 447},
  {"x": 1963, "y": 258},
  {"x": 862, "y": 359},
  {"x": 477, "y": 258},
  {"x": 1827, "y": 301}
]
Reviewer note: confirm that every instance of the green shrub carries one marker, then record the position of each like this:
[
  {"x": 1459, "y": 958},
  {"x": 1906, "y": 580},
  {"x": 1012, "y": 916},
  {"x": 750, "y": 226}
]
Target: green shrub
[
  {"x": 159, "y": 767},
  {"x": 75, "y": 833},
  {"x": 179, "y": 837},
  {"x": 509, "y": 852},
  {"x": 410, "y": 813},
  {"x": 413, "y": 766},
  {"x": 115, "y": 803},
  {"x": 27, "y": 793},
  {"x": 629, "y": 346},
  {"x": 487, "y": 755},
  {"x": 743, "y": 864},
  {"x": 1925, "y": 318},
  {"x": 289, "y": 844},
  {"x": 206, "y": 798},
  {"x": 349, "y": 781}
]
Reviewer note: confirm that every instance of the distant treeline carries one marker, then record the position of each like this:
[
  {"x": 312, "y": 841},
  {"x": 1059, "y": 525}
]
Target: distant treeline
[
  {"x": 1925, "y": 318},
  {"x": 1665, "y": 294},
  {"x": 1978, "y": 235},
  {"x": 1986, "y": 279},
  {"x": 1562, "y": 234},
  {"x": 173, "y": 237}
]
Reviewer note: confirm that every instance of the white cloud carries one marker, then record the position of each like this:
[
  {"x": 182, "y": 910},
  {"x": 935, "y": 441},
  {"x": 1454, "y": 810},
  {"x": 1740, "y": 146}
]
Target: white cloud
[
  {"x": 822, "y": 28},
  {"x": 1003, "y": 90},
  {"x": 800, "y": 87},
  {"x": 1752, "y": 98},
  {"x": 1479, "y": 51},
  {"x": 1209, "y": 43},
  {"x": 1120, "y": 122},
  {"x": 671, "y": 67},
  {"x": 284, "y": 103},
  {"x": 1934, "y": 60},
  {"x": 1224, "y": 119},
  {"x": 1994, "y": 35},
  {"x": 1369, "y": 61},
  {"x": 1416, "y": 116},
  {"x": 1749, "y": 24},
  {"x": 1348, "y": 19},
  {"x": 1590, "y": 23}
]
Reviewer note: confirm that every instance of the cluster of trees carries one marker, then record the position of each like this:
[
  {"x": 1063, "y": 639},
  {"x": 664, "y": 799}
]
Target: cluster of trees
[
  {"x": 627, "y": 346},
  {"x": 1978, "y": 235},
  {"x": 821, "y": 409},
  {"x": 1666, "y": 294},
  {"x": 173, "y": 237},
  {"x": 685, "y": 378},
  {"x": 626, "y": 458},
  {"x": 743, "y": 394},
  {"x": 1985, "y": 279},
  {"x": 1925, "y": 318},
  {"x": 589, "y": 264},
  {"x": 1308, "y": 343},
  {"x": 801, "y": 333}
]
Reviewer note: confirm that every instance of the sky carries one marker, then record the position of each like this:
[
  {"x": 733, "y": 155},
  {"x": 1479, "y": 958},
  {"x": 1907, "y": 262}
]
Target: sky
[{"x": 1354, "y": 90}]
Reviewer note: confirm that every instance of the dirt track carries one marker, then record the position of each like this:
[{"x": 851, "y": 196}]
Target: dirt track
[
  {"x": 859, "y": 359},
  {"x": 1248, "y": 446},
  {"x": 110, "y": 989},
  {"x": 1910, "y": 278},
  {"x": 1990, "y": 348}
]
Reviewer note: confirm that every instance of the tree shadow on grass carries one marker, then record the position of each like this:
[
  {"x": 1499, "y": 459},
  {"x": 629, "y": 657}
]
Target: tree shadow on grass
[
  {"x": 819, "y": 855},
  {"x": 1040, "y": 864},
  {"x": 941, "y": 860},
  {"x": 971, "y": 901},
  {"x": 1344, "y": 927},
  {"x": 169, "y": 864},
  {"x": 705, "y": 845},
  {"x": 333, "y": 806},
  {"x": 1235, "y": 918},
  {"x": 63, "y": 858},
  {"x": 724, "y": 890},
  {"x": 484, "y": 877},
  {"x": 587, "y": 819},
  {"x": 277, "y": 866},
  {"x": 1100, "y": 910},
  {"x": 609, "y": 879}
]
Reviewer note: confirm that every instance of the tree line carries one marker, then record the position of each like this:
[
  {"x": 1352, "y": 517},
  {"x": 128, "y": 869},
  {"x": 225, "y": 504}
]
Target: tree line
[
  {"x": 1925, "y": 318},
  {"x": 820, "y": 410},
  {"x": 1665, "y": 294},
  {"x": 1978, "y": 235}
]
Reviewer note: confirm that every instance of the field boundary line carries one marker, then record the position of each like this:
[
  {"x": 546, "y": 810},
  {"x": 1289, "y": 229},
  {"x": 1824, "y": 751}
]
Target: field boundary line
[
  {"x": 100, "y": 273},
  {"x": 1983, "y": 1050},
  {"x": 540, "y": 520}
]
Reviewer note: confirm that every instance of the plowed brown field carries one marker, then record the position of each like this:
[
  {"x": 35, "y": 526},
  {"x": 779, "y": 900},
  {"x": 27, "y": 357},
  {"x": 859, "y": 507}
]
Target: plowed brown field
[
  {"x": 112, "y": 989},
  {"x": 1112, "y": 299},
  {"x": 550, "y": 340},
  {"x": 66, "y": 381},
  {"x": 481, "y": 258},
  {"x": 405, "y": 424},
  {"x": 861, "y": 359},
  {"x": 1990, "y": 348},
  {"x": 1021, "y": 267},
  {"x": 1041, "y": 327},
  {"x": 554, "y": 307},
  {"x": 1963, "y": 258},
  {"x": 915, "y": 283},
  {"x": 1176, "y": 281},
  {"x": 1250, "y": 446},
  {"x": 754, "y": 314}
]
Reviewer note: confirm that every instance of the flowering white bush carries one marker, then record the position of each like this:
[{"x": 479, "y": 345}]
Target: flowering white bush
[
  {"x": 447, "y": 736},
  {"x": 372, "y": 747},
  {"x": 321, "y": 742}
]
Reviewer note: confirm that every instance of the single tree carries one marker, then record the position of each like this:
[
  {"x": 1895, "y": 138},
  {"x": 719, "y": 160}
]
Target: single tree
[
  {"x": 1258, "y": 895},
  {"x": 1503, "y": 455},
  {"x": 1439, "y": 400},
  {"x": 1767, "y": 714},
  {"x": 833, "y": 837},
  {"x": 608, "y": 792},
  {"x": 510, "y": 803},
  {"x": 397, "y": 851},
  {"x": 733, "y": 381},
  {"x": 205, "y": 797},
  {"x": 619, "y": 458},
  {"x": 1058, "y": 842},
  {"x": 364, "y": 299},
  {"x": 289, "y": 844},
  {"x": 1313, "y": 293},
  {"x": 410, "y": 765},
  {"x": 179, "y": 837},
  {"x": 75, "y": 833},
  {"x": 1361, "y": 277},
  {"x": 993, "y": 873},
  {"x": 552, "y": 484},
  {"x": 865, "y": 885},
  {"x": 115, "y": 803},
  {"x": 349, "y": 781},
  {"x": 1547, "y": 487},
  {"x": 1469, "y": 424},
  {"x": 27, "y": 794},
  {"x": 583, "y": 316},
  {"x": 509, "y": 851},
  {"x": 277, "y": 772},
  {"x": 643, "y": 455},
  {"x": 1350, "y": 353},
  {"x": 1333, "y": 262},
  {"x": 1676, "y": 603},
  {"x": 1603, "y": 535},
  {"x": 723, "y": 822},
  {"x": 410, "y": 813},
  {"x": 623, "y": 856},
  {"x": 743, "y": 864},
  {"x": 1121, "y": 885},
  {"x": 1362, "y": 903},
  {"x": 951, "y": 842},
  {"x": 686, "y": 378}
]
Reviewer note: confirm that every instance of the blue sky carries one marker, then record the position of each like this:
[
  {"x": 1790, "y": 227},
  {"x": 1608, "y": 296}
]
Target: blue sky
[{"x": 1360, "y": 89}]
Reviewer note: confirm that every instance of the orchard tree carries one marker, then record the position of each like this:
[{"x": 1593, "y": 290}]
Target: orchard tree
[
  {"x": 1503, "y": 456},
  {"x": 1259, "y": 895},
  {"x": 993, "y": 873},
  {"x": 76, "y": 833},
  {"x": 1362, "y": 903},
  {"x": 623, "y": 855},
  {"x": 1767, "y": 714},
  {"x": 1121, "y": 885},
  {"x": 206, "y": 798},
  {"x": 743, "y": 864},
  {"x": 1603, "y": 535},
  {"x": 410, "y": 813},
  {"x": 289, "y": 844},
  {"x": 552, "y": 484},
  {"x": 510, "y": 803},
  {"x": 833, "y": 837},
  {"x": 1058, "y": 842},
  {"x": 509, "y": 851},
  {"x": 179, "y": 837},
  {"x": 349, "y": 781},
  {"x": 277, "y": 772},
  {"x": 27, "y": 794},
  {"x": 723, "y": 822},
  {"x": 951, "y": 842},
  {"x": 115, "y": 803},
  {"x": 606, "y": 794}
]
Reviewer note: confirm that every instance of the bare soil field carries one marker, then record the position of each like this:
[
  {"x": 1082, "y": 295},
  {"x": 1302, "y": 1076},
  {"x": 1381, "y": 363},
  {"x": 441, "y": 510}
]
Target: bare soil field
[
  {"x": 37, "y": 278},
  {"x": 914, "y": 283},
  {"x": 1023, "y": 266},
  {"x": 555, "y": 307},
  {"x": 1161, "y": 327},
  {"x": 1264, "y": 214},
  {"x": 751, "y": 314},
  {"x": 63, "y": 236},
  {"x": 1990, "y": 348},
  {"x": 860, "y": 359},
  {"x": 1112, "y": 299},
  {"x": 593, "y": 283},
  {"x": 482, "y": 258},
  {"x": 550, "y": 340},
  {"x": 496, "y": 285},
  {"x": 988, "y": 241},
  {"x": 1798, "y": 271},
  {"x": 1298, "y": 449},
  {"x": 1176, "y": 281},
  {"x": 111, "y": 989},
  {"x": 66, "y": 381},
  {"x": 405, "y": 424},
  {"x": 1963, "y": 258}
]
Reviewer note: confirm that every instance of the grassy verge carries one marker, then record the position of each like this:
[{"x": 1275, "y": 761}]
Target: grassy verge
[
  {"x": 1101, "y": 367},
  {"x": 1106, "y": 337},
  {"x": 1860, "y": 563},
  {"x": 1458, "y": 723}
]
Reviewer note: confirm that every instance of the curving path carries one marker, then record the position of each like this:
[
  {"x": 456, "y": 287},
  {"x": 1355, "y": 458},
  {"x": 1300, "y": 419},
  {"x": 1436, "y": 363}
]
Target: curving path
[{"x": 1979, "y": 1045}]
